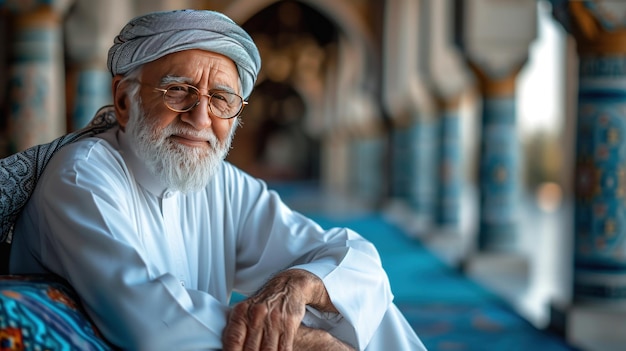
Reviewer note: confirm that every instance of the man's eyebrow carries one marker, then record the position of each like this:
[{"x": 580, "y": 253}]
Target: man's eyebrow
[
  {"x": 169, "y": 79},
  {"x": 223, "y": 87}
]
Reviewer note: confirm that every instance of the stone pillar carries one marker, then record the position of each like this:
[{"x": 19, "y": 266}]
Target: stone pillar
[
  {"x": 90, "y": 29},
  {"x": 599, "y": 282},
  {"x": 36, "y": 78},
  {"x": 494, "y": 38},
  {"x": 366, "y": 164},
  {"x": 414, "y": 168},
  {"x": 409, "y": 103},
  {"x": 499, "y": 178},
  {"x": 368, "y": 147},
  {"x": 600, "y": 180},
  {"x": 358, "y": 117},
  {"x": 448, "y": 74},
  {"x": 93, "y": 91},
  {"x": 449, "y": 170}
]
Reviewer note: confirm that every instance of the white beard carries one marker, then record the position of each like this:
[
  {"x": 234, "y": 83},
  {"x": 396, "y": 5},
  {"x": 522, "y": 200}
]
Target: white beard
[{"x": 179, "y": 167}]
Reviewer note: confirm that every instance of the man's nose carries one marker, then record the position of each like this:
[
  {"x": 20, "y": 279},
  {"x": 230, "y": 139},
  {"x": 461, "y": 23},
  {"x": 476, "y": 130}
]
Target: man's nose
[{"x": 200, "y": 116}]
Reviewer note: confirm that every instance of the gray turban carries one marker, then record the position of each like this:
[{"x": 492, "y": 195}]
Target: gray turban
[{"x": 152, "y": 36}]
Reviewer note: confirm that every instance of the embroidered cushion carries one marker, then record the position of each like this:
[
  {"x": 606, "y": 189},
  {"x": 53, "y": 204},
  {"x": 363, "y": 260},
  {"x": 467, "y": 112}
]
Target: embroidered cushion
[{"x": 42, "y": 313}]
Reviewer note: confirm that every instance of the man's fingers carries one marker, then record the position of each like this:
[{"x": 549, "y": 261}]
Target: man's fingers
[
  {"x": 267, "y": 321},
  {"x": 286, "y": 339},
  {"x": 256, "y": 315},
  {"x": 234, "y": 335},
  {"x": 270, "y": 340},
  {"x": 233, "y": 339}
]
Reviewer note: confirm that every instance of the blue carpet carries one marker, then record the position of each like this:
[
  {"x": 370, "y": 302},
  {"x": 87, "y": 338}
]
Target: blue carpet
[{"x": 447, "y": 310}]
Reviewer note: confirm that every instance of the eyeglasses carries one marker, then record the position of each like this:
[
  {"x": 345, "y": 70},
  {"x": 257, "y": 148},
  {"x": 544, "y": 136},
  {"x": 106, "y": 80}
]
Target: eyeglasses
[{"x": 184, "y": 97}]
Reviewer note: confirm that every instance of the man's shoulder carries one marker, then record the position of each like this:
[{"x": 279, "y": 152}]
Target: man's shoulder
[
  {"x": 90, "y": 147},
  {"x": 89, "y": 153},
  {"x": 90, "y": 161},
  {"x": 234, "y": 179},
  {"x": 232, "y": 173}
]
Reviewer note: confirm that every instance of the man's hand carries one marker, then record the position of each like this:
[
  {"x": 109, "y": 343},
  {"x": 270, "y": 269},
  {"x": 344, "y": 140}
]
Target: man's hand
[
  {"x": 308, "y": 339},
  {"x": 270, "y": 319}
]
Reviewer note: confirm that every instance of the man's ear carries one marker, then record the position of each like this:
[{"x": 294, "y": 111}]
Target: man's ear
[{"x": 121, "y": 100}]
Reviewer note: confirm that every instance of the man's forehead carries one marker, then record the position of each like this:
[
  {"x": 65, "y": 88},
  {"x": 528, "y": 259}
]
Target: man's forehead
[{"x": 204, "y": 70}]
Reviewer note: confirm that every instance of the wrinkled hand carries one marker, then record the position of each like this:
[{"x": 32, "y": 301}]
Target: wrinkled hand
[
  {"x": 270, "y": 319},
  {"x": 308, "y": 339}
]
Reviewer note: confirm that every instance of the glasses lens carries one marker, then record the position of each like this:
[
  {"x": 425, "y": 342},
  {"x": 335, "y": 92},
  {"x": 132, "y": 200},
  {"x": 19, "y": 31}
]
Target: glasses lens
[
  {"x": 181, "y": 98},
  {"x": 225, "y": 104}
]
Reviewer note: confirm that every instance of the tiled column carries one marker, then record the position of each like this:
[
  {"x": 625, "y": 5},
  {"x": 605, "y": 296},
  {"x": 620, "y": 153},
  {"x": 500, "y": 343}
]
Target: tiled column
[
  {"x": 494, "y": 38},
  {"x": 449, "y": 77},
  {"x": 599, "y": 281},
  {"x": 367, "y": 160},
  {"x": 415, "y": 168},
  {"x": 347, "y": 118},
  {"x": 496, "y": 52},
  {"x": 93, "y": 91},
  {"x": 90, "y": 29},
  {"x": 600, "y": 180},
  {"x": 449, "y": 170},
  {"x": 410, "y": 105},
  {"x": 36, "y": 79},
  {"x": 358, "y": 118},
  {"x": 499, "y": 177}
]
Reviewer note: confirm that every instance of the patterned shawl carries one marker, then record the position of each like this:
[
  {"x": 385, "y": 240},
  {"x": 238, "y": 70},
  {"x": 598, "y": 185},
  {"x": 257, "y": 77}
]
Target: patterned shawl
[{"x": 20, "y": 172}]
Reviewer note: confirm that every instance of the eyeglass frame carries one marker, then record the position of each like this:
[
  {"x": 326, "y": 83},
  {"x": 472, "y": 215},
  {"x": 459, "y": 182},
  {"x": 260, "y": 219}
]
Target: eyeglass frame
[{"x": 199, "y": 94}]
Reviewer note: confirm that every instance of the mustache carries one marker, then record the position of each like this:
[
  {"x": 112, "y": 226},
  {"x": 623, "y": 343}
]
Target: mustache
[{"x": 179, "y": 129}]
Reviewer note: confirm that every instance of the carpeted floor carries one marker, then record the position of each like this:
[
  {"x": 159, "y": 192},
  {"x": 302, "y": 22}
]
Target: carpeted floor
[{"x": 448, "y": 311}]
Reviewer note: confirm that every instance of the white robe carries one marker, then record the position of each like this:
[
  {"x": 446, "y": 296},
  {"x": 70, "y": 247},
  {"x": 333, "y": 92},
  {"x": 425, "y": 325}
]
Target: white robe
[{"x": 155, "y": 268}]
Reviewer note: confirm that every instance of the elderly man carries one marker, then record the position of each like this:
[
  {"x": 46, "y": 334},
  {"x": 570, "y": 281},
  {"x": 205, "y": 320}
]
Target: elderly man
[{"x": 155, "y": 230}]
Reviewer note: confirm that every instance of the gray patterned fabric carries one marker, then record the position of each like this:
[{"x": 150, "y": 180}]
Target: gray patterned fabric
[
  {"x": 149, "y": 37},
  {"x": 20, "y": 172}
]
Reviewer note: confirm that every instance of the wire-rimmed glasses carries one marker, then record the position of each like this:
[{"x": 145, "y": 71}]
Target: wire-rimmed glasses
[{"x": 184, "y": 97}]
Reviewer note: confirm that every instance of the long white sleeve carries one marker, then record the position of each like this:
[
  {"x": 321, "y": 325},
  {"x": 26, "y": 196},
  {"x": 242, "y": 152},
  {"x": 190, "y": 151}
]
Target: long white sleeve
[{"x": 273, "y": 237}]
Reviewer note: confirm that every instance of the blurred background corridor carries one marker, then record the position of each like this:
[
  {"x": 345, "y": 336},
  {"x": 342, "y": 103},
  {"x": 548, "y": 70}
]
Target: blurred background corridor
[{"x": 478, "y": 143}]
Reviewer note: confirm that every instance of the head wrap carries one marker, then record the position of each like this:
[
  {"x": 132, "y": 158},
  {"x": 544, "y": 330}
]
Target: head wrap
[{"x": 152, "y": 36}]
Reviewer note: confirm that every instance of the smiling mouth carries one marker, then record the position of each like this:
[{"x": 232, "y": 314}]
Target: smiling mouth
[{"x": 190, "y": 140}]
